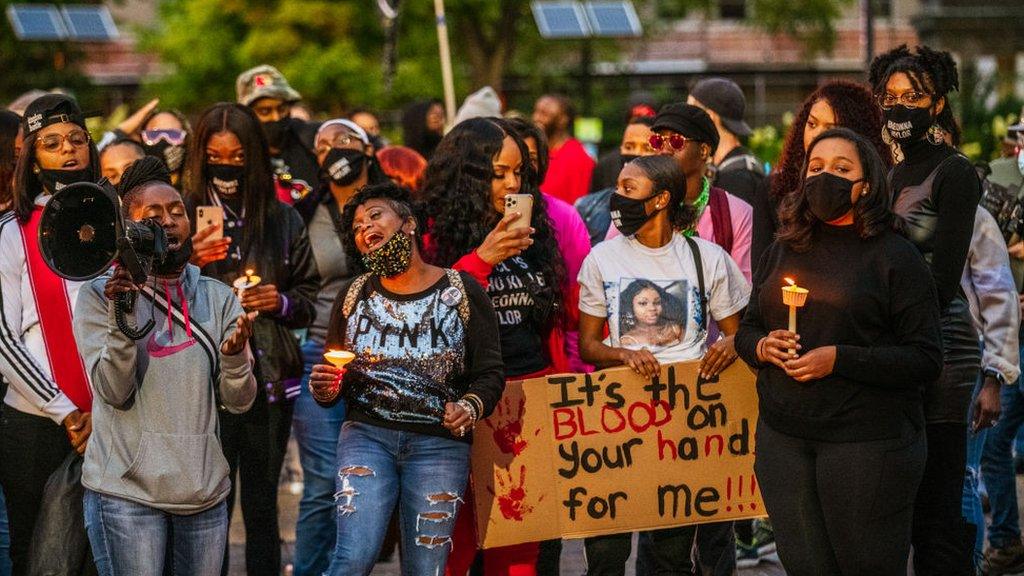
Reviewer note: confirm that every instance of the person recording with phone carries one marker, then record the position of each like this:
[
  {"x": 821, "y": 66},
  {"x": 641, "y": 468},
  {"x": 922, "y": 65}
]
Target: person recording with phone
[
  {"x": 229, "y": 167},
  {"x": 48, "y": 401},
  {"x": 155, "y": 476}
]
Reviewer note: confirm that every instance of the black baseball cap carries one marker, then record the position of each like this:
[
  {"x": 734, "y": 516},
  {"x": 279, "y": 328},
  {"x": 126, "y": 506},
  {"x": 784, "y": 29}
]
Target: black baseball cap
[
  {"x": 51, "y": 109},
  {"x": 688, "y": 120},
  {"x": 725, "y": 98}
]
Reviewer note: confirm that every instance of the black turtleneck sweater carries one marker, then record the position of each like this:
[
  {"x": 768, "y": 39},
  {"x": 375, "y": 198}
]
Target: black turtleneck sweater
[
  {"x": 873, "y": 299},
  {"x": 955, "y": 194}
]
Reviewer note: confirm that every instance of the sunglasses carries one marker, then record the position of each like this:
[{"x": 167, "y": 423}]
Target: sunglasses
[
  {"x": 53, "y": 142},
  {"x": 676, "y": 141},
  {"x": 170, "y": 135}
]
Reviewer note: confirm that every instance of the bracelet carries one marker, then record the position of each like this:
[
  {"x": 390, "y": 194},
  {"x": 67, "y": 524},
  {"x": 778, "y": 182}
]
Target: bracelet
[
  {"x": 470, "y": 409},
  {"x": 760, "y": 349},
  {"x": 326, "y": 398}
]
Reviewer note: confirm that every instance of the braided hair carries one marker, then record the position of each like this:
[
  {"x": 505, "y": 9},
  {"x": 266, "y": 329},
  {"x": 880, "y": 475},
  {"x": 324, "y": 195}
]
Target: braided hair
[
  {"x": 140, "y": 174},
  {"x": 930, "y": 71}
]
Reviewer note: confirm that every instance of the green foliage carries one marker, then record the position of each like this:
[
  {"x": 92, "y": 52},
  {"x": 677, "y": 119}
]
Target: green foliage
[{"x": 983, "y": 124}]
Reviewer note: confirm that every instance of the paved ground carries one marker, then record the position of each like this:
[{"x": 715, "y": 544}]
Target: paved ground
[{"x": 572, "y": 553}]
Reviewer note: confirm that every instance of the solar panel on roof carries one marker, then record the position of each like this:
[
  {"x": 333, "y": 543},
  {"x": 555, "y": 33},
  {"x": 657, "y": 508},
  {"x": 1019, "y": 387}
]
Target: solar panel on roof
[
  {"x": 36, "y": 22},
  {"x": 613, "y": 18},
  {"x": 89, "y": 23},
  {"x": 560, "y": 19}
]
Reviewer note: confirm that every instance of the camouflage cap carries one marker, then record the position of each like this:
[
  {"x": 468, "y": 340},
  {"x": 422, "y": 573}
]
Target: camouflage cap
[{"x": 264, "y": 81}]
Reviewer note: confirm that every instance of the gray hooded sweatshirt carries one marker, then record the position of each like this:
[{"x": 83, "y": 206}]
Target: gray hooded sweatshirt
[{"x": 154, "y": 421}]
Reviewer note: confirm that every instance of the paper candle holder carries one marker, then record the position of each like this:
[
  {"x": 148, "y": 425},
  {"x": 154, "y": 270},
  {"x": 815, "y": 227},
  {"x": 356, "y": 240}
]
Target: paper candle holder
[
  {"x": 794, "y": 296},
  {"x": 339, "y": 358}
]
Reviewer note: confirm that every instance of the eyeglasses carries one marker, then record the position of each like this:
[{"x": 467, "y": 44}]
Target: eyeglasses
[
  {"x": 676, "y": 141},
  {"x": 340, "y": 141},
  {"x": 910, "y": 99},
  {"x": 171, "y": 136},
  {"x": 53, "y": 142}
]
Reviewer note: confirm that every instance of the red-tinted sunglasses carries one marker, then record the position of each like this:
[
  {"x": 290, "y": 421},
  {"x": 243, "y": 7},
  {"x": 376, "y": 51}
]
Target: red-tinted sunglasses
[{"x": 676, "y": 141}]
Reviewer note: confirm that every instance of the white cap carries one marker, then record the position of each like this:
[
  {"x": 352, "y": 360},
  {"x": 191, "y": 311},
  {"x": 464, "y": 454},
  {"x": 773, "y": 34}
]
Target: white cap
[{"x": 355, "y": 128}]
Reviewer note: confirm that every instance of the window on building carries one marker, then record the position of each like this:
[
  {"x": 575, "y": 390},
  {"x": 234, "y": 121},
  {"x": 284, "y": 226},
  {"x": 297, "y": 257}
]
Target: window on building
[{"x": 732, "y": 9}]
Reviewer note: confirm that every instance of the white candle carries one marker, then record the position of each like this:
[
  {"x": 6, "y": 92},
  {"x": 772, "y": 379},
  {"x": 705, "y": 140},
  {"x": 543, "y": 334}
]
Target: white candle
[
  {"x": 794, "y": 297},
  {"x": 243, "y": 283}
]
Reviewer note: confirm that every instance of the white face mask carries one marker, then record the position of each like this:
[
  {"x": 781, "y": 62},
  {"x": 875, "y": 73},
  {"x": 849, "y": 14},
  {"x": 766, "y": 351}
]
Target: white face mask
[{"x": 1020, "y": 161}]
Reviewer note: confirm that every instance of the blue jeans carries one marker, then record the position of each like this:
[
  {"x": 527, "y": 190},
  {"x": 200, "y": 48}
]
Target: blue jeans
[
  {"x": 5, "y": 539},
  {"x": 316, "y": 431},
  {"x": 997, "y": 468},
  {"x": 972, "y": 510},
  {"x": 131, "y": 539},
  {"x": 425, "y": 476}
]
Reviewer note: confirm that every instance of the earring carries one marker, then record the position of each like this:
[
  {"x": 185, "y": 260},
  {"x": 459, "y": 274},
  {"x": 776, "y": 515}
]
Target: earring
[
  {"x": 36, "y": 169},
  {"x": 865, "y": 190},
  {"x": 936, "y": 135},
  {"x": 894, "y": 146}
]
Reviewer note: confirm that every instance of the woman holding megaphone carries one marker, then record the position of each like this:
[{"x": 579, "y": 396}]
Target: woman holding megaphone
[
  {"x": 48, "y": 402},
  {"x": 156, "y": 479}
]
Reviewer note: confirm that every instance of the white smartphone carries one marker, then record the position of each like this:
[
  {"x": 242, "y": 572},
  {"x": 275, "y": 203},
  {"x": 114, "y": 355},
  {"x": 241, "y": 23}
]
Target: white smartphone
[
  {"x": 208, "y": 216},
  {"x": 523, "y": 204}
]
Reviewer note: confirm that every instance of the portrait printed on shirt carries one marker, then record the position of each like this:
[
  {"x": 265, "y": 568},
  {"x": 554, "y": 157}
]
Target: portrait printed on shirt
[{"x": 651, "y": 314}]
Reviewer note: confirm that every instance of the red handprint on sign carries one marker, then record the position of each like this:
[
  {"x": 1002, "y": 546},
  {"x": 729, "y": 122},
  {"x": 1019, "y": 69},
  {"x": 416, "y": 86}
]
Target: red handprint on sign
[
  {"x": 508, "y": 427},
  {"x": 512, "y": 500}
]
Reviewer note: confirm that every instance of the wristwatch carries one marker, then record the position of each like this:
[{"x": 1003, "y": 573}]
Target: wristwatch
[{"x": 995, "y": 374}]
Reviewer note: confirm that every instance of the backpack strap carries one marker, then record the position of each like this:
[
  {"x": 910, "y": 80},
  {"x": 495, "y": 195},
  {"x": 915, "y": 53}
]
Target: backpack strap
[
  {"x": 353, "y": 293},
  {"x": 721, "y": 218},
  {"x": 702, "y": 299},
  {"x": 456, "y": 280}
]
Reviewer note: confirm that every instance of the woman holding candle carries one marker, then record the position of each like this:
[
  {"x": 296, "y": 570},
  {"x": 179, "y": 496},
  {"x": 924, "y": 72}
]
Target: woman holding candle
[
  {"x": 229, "y": 167},
  {"x": 840, "y": 440},
  {"x": 427, "y": 366},
  {"x": 654, "y": 276},
  {"x": 935, "y": 195}
]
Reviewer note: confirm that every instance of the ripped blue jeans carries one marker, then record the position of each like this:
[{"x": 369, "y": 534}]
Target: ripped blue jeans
[{"x": 379, "y": 468}]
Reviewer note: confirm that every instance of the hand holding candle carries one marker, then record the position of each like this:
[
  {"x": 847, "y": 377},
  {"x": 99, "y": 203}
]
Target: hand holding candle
[
  {"x": 325, "y": 380},
  {"x": 243, "y": 283},
  {"x": 794, "y": 297}
]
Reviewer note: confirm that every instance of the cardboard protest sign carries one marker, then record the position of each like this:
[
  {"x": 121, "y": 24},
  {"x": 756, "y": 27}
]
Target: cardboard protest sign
[{"x": 574, "y": 455}]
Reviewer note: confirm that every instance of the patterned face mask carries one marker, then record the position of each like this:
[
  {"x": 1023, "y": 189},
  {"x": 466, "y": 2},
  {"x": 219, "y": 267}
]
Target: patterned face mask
[{"x": 392, "y": 258}]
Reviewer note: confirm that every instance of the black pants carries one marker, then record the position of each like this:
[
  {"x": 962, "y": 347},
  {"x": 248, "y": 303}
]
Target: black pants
[
  {"x": 254, "y": 445},
  {"x": 667, "y": 552},
  {"x": 31, "y": 448},
  {"x": 841, "y": 508},
  {"x": 943, "y": 544}
]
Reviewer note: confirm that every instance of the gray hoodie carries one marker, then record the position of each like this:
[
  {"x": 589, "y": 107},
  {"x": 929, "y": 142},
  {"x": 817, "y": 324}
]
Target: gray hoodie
[{"x": 154, "y": 419}]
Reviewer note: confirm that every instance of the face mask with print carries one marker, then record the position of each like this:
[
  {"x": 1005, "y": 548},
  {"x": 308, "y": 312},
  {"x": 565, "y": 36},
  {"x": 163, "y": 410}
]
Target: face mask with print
[
  {"x": 628, "y": 214},
  {"x": 344, "y": 165},
  {"x": 226, "y": 179},
  {"x": 57, "y": 180},
  {"x": 392, "y": 258},
  {"x": 907, "y": 124},
  {"x": 173, "y": 156}
]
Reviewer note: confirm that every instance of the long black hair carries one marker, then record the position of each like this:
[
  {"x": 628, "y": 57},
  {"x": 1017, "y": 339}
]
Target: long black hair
[
  {"x": 930, "y": 71},
  {"x": 672, "y": 311},
  {"x": 414, "y": 128},
  {"x": 27, "y": 186},
  {"x": 10, "y": 123},
  {"x": 871, "y": 213},
  {"x": 665, "y": 174},
  {"x": 458, "y": 198},
  {"x": 526, "y": 129},
  {"x": 259, "y": 199}
]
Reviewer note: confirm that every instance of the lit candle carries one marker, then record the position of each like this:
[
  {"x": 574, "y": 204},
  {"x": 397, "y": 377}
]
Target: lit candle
[
  {"x": 243, "y": 283},
  {"x": 794, "y": 297},
  {"x": 339, "y": 357}
]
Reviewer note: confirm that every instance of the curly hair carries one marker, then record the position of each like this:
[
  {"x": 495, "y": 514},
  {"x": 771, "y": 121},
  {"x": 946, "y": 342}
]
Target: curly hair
[
  {"x": 871, "y": 214},
  {"x": 396, "y": 196},
  {"x": 854, "y": 108},
  {"x": 259, "y": 198},
  {"x": 930, "y": 71},
  {"x": 457, "y": 192}
]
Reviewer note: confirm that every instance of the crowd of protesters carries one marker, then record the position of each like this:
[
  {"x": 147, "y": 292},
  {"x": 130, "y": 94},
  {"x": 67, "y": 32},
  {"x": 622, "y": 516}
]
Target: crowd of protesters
[{"x": 882, "y": 421}]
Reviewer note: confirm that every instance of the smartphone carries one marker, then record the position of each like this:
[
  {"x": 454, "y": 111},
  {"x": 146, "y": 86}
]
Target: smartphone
[
  {"x": 523, "y": 204},
  {"x": 207, "y": 216}
]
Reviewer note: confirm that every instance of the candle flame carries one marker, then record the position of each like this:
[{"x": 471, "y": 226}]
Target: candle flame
[
  {"x": 249, "y": 272},
  {"x": 790, "y": 281}
]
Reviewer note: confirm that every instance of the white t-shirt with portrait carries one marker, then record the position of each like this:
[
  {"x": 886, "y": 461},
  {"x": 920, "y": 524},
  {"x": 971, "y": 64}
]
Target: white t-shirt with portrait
[{"x": 650, "y": 295}]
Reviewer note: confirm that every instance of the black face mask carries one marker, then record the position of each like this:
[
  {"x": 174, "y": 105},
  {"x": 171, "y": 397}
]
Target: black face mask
[
  {"x": 907, "y": 124},
  {"x": 226, "y": 179},
  {"x": 175, "y": 261},
  {"x": 628, "y": 214},
  {"x": 627, "y": 158},
  {"x": 172, "y": 156},
  {"x": 56, "y": 180},
  {"x": 828, "y": 196},
  {"x": 276, "y": 132},
  {"x": 344, "y": 165}
]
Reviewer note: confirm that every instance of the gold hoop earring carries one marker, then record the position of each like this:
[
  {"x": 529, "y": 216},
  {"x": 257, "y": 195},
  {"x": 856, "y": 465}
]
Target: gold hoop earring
[{"x": 936, "y": 135}]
